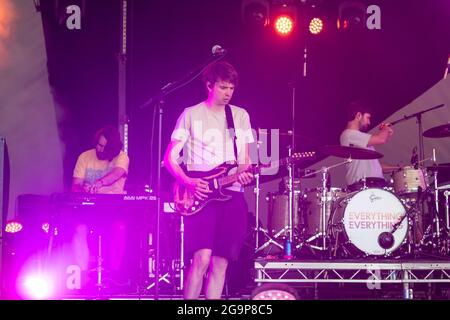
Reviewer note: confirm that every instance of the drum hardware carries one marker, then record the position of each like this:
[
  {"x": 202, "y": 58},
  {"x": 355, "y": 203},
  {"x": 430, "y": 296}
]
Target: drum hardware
[
  {"x": 269, "y": 240},
  {"x": 257, "y": 191},
  {"x": 438, "y": 236},
  {"x": 447, "y": 221},
  {"x": 386, "y": 239},
  {"x": 323, "y": 203},
  {"x": 290, "y": 189}
]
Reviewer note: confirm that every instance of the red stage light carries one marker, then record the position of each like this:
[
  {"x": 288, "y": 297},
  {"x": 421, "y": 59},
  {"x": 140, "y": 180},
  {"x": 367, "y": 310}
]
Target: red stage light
[
  {"x": 316, "y": 26},
  {"x": 284, "y": 25}
]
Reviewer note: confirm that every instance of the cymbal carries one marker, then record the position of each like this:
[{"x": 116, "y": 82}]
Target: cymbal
[
  {"x": 438, "y": 132},
  {"x": 350, "y": 152},
  {"x": 439, "y": 166}
]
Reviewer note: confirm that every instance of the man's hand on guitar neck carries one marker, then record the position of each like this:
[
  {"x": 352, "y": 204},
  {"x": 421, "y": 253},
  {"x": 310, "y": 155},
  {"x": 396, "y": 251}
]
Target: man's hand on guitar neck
[
  {"x": 198, "y": 186},
  {"x": 245, "y": 177}
]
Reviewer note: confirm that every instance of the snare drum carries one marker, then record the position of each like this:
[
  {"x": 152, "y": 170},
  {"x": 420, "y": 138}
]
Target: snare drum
[
  {"x": 311, "y": 208},
  {"x": 407, "y": 180},
  {"x": 360, "y": 218}
]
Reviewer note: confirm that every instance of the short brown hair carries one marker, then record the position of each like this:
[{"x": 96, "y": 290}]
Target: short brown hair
[
  {"x": 357, "y": 106},
  {"x": 221, "y": 70}
]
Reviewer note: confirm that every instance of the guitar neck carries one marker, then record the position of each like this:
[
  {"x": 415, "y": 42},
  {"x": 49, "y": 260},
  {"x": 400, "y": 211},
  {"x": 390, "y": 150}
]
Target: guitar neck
[{"x": 232, "y": 178}]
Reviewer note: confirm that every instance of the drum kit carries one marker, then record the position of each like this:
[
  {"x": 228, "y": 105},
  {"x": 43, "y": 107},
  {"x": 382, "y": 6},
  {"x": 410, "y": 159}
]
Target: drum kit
[{"x": 405, "y": 217}]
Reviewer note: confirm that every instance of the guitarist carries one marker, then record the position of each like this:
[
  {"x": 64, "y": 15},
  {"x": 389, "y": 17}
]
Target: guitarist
[{"x": 213, "y": 236}]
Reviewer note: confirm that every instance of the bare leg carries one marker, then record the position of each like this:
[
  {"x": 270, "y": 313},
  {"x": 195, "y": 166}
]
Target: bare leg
[
  {"x": 194, "y": 278},
  {"x": 80, "y": 247},
  {"x": 216, "y": 278}
]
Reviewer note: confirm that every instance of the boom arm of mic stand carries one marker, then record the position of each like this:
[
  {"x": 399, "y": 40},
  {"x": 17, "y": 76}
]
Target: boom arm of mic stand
[
  {"x": 415, "y": 114},
  {"x": 173, "y": 86}
]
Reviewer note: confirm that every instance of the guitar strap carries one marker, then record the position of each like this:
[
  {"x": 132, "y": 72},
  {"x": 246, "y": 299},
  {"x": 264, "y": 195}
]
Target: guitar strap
[{"x": 230, "y": 125}]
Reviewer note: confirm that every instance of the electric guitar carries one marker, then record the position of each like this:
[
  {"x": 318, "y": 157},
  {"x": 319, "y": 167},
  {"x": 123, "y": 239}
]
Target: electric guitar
[{"x": 218, "y": 178}]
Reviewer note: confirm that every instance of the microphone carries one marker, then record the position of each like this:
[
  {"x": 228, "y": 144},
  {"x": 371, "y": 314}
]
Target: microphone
[
  {"x": 448, "y": 67},
  {"x": 217, "y": 50}
]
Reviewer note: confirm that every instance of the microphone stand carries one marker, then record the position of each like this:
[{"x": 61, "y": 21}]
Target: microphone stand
[
  {"x": 418, "y": 115},
  {"x": 158, "y": 101}
]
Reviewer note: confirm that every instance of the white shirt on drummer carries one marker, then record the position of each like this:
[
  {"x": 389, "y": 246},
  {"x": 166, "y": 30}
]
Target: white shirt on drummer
[
  {"x": 359, "y": 169},
  {"x": 205, "y": 145}
]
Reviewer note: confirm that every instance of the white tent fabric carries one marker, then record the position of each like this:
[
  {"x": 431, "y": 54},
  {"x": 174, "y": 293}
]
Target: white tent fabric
[{"x": 27, "y": 113}]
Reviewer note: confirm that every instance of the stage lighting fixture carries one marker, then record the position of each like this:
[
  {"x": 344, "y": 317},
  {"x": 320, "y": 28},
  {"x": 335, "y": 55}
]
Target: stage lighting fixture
[
  {"x": 13, "y": 227},
  {"x": 351, "y": 16},
  {"x": 274, "y": 291},
  {"x": 36, "y": 286},
  {"x": 284, "y": 16},
  {"x": 255, "y": 13},
  {"x": 284, "y": 25},
  {"x": 315, "y": 26}
]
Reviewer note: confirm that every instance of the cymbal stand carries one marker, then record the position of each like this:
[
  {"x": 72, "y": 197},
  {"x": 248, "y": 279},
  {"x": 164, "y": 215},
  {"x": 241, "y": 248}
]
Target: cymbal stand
[
  {"x": 439, "y": 237},
  {"x": 436, "y": 197},
  {"x": 257, "y": 191},
  {"x": 258, "y": 228},
  {"x": 447, "y": 221},
  {"x": 290, "y": 187},
  {"x": 288, "y": 230},
  {"x": 323, "y": 202}
]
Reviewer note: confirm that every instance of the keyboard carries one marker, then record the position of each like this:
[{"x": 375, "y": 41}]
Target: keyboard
[{"x": 83, "y": 199}]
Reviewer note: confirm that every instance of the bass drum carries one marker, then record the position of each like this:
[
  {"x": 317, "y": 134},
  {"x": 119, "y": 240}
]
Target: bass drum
[{"x": 360, "y": 218}]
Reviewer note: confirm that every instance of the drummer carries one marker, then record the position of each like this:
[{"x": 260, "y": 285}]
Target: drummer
[{"x": 364, "y": 172}]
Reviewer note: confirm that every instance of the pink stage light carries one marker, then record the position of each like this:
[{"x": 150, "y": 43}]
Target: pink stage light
[
  {"x": 36, "y": 287},
  {"x": 13, "y": 227}
]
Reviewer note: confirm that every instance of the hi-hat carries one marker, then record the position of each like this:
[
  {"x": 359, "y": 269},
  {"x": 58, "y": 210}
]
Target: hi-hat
[
  {"x": 349, "y": 152},
  {"x": 438, "y": 132}
]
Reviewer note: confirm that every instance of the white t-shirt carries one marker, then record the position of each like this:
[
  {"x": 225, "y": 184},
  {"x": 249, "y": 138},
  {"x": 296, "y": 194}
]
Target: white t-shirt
[
  {"x": 207, "y": 141},
  {"x": 359, "y": 169}
]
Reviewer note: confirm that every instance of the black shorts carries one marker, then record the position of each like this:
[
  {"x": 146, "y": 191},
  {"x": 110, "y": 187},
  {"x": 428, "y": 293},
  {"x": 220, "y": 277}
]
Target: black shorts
[{"x": 220, "y": 226}]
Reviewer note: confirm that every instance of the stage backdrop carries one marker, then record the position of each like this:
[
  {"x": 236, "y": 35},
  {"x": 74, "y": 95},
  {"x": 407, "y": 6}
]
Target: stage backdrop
[{"x": 27, "y": 113}]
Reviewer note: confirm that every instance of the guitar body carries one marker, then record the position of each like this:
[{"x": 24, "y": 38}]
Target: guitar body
[{"x": 185, "y": 202}]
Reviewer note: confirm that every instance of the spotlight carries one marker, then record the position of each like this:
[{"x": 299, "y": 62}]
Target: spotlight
[
  {"x": 274, "y": 291},
  {"x": 284, "y": 16},
  {"x": 36, "y": 286},
  {"x": 284, "y": 25},
  {"x": 315, "y": 26},
  {"x": 13, "y": 227}
]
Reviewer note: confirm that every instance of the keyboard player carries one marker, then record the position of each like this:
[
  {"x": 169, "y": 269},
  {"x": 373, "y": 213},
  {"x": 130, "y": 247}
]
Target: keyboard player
[{"x": 101, "y": 170}]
